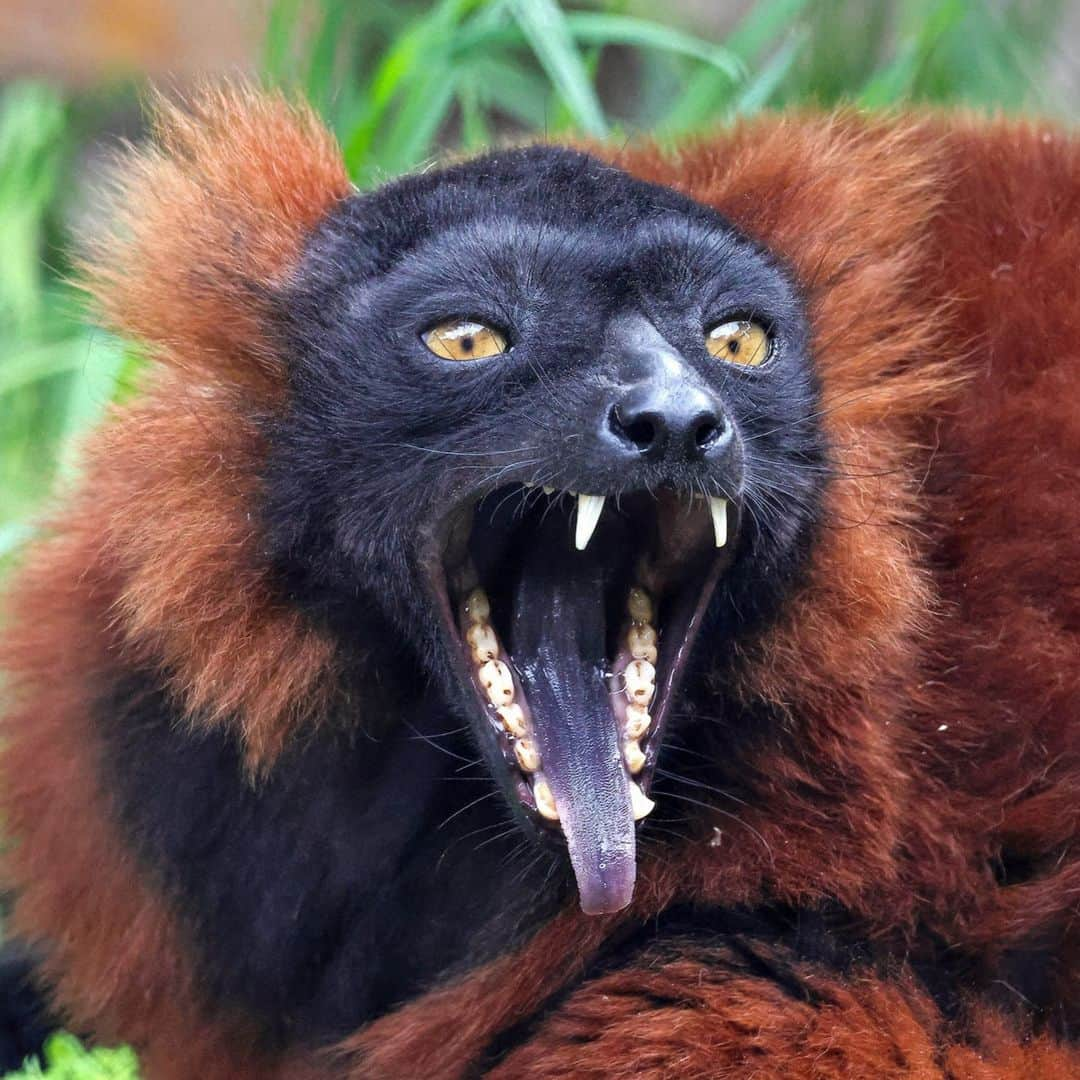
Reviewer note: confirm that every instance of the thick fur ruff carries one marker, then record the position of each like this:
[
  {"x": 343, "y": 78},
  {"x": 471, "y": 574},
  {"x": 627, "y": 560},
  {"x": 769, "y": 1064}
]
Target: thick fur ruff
[{"x": 921, "y": 772}]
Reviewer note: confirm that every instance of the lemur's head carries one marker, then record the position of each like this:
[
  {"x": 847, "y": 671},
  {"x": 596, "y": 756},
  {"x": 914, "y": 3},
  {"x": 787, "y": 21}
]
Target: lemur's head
[{"x": 552, "y": 420}]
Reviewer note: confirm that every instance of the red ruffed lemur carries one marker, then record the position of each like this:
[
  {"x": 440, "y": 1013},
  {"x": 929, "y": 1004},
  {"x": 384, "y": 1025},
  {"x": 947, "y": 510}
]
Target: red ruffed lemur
[{"x": 566, "y": 614}]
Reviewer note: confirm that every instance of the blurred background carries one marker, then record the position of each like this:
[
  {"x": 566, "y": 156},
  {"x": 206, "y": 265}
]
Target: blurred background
[{"x": 400, "y": 81}]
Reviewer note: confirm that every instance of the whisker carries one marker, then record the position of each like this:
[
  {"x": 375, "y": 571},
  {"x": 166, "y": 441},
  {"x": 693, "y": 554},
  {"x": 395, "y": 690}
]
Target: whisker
[{"x": 467, "y": 806}]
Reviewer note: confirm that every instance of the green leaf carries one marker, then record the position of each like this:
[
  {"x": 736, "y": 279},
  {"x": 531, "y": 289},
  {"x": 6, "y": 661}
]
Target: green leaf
[
  {"x": 546, "y": 29},
  {"x": 67, "y": 1059},
  {"x": 758, "y": 92},
  {"x": 599, "y": 29},
  {"x": 417, "y": 57}
]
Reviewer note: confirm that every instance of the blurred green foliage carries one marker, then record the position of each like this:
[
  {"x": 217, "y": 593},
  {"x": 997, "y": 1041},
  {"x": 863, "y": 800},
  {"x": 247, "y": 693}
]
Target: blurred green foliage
[
  {"x": 65, "y": 1058},
  {"x": 401, "y": 80}
]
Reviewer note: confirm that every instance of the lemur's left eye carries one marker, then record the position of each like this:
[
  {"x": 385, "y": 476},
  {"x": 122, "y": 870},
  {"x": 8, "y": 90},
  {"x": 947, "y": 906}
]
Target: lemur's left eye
[
  {"x": 739, "y": 342},
  {"x": 463, "y": 339}
]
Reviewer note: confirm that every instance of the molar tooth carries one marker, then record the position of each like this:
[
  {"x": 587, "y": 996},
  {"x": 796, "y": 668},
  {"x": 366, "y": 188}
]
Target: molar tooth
[
  {"x": 639, "y": 606},
  {"x": 640, "y": 680},
  {"x": 513, "y": 719},
  {"x": 484, "y": 643},
  {"x": 634, "y": 756},
  {"x": 477, "y": 607},
  {"x": 545, "y": 801},
  {"x": 641, "y": 640},
  {"x": 589, "y": 508},
  {"x": 640, "y": 803},
  {"x": 528, "y": 756},
  {"x": 718, "y": 509},
  {"x": 496, "y": 680},
  {"x": 637, "y": 721}
]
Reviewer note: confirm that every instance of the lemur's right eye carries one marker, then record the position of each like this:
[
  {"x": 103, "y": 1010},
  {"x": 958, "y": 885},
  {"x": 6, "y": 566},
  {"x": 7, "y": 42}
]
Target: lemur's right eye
[
  {"x": 463, "y": 339},
  {"x": 739, "y": 341}
]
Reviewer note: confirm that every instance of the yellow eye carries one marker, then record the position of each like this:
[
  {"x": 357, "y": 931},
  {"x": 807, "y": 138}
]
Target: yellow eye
[
  {"x": 462, "y": 339},
  {"x": 739, "y": 342}
]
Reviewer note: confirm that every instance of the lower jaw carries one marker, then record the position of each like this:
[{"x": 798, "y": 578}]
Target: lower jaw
[{"x": 577, "y": 705}]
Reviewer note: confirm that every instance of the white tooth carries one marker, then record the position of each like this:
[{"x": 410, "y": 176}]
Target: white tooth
[
  {"x": 589, "y": 508},
  {"x": 527, "y": 754},
  {"x": 634, "y": 756},
  {"x": 545, "y": 801},
  {"x": 637, "y": 721},
  {"x": 640, "y": 803},
  {"x": 640, "y": 681},
  {"x": 477, "y": 607},
  {"x": 484, "y": 643},
  {"x": 496, "y": 680},
  {"x": 548, "y": 489},
  {"x": 513, "y": 719},
  {"x": 641, "y": 640},
  {"x": 718, "y": 508},
  {"x": 639, "y": 606}
]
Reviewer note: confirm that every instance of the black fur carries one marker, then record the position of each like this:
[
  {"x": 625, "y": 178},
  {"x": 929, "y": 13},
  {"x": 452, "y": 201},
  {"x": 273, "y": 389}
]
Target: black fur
[
  {"x": 358, "y": 872},
  {"x": 377, "y": 857},
  {"x": 25, "y": 1020},
  {"x": 550, "y": 245}
]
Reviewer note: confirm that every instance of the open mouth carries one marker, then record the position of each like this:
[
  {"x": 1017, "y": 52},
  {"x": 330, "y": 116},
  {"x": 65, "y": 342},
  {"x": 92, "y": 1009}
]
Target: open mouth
[{"x": 574, "y": 617}]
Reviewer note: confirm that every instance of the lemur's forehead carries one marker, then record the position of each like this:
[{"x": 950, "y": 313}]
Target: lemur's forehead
[{"x": 540, "y": 195}]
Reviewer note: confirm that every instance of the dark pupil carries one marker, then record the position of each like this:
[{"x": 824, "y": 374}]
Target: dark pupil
[
  {"x": 733, "y": 345},
  {"x": 467, "y": 343}
]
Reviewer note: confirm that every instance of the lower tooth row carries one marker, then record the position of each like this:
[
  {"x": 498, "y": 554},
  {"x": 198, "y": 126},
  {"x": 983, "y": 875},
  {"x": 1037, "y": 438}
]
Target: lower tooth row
[
  {"x": 498, "y": 684},
  {"x": 639, "y": 676}
]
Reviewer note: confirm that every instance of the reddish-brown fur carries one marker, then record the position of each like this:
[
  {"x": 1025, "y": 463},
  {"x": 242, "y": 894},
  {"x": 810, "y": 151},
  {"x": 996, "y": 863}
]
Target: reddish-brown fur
[{"x": 929, "y": 671}]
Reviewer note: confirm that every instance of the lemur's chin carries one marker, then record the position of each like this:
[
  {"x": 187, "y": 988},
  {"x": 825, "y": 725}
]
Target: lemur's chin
[{"x": 573, "y": 617}]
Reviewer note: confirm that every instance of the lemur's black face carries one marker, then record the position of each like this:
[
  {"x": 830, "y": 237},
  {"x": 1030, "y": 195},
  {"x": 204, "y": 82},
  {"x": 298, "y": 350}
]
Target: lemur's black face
[{"x": 550, "y": 420}]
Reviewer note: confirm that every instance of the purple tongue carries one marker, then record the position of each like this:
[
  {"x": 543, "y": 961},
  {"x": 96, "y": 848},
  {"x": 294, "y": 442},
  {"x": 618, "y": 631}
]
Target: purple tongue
[{"x": 559, "y": 650}]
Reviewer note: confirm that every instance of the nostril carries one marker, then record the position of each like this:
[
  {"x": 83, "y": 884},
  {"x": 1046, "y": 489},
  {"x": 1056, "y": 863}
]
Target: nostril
[
  {"x": 707, "y": 431},
  {"x": 642, "y": 433},
  {"x": 640, "y": 430}
]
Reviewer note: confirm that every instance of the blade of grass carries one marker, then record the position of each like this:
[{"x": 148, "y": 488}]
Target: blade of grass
[
  {"x": 545, "y": 28},
  {"x": 710, "y": 96},
  {"x": 598, "y": 29},
  {"x": 410, "y": 59},
  {"x": 759, "y": 91}
]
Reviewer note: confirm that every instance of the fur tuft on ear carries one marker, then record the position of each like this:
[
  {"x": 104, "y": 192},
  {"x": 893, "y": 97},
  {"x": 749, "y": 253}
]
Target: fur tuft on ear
[{"x": 205, "y": 222}]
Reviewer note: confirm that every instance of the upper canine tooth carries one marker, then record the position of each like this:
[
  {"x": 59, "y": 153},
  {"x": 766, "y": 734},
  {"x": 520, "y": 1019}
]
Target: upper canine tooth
[
  {"x": 718, "y": 509},
  {"x": 477, "y": 607},
  {"x": 589, "y": 508},
  {"x": 496, "y": 679},
  {"x": 640, "y": 803},
  {"x": 482, "y": 640}
]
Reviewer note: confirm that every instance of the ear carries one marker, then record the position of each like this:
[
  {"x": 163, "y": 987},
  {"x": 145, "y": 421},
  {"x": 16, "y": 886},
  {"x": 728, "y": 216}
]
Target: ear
[{"x": 206, "y": 222}]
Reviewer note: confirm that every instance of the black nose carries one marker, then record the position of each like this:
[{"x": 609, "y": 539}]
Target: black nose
[{"x": 659, "y": 420}]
